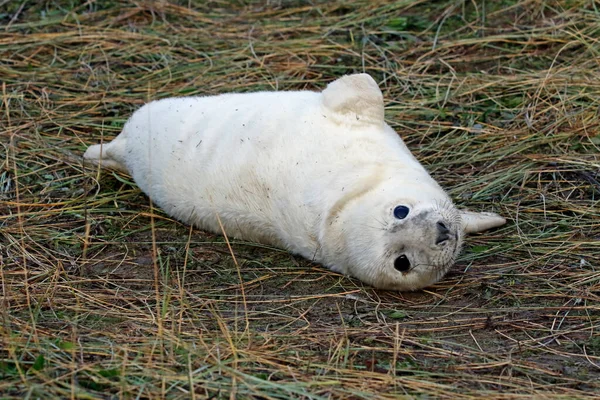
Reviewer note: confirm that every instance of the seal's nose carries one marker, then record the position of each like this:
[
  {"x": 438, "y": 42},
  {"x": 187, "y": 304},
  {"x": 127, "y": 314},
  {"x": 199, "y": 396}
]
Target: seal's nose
[{"x": 443, "y": 233}]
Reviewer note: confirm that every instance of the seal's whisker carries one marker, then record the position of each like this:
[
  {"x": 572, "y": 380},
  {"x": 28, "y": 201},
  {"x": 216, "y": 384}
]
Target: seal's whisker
[{"x": 380, "y": 228}]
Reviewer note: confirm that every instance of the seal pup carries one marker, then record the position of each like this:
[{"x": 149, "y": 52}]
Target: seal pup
[{"x": 317, "y": 173}]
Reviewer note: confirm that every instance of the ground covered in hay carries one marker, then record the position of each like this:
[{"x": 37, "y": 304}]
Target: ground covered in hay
[{"x": 104, "y": 296}]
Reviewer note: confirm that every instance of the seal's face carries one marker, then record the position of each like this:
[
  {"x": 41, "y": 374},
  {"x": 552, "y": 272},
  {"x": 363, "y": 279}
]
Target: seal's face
[
  {"x": 419, "y": 244},
  {"x": 403, "y": 244}
]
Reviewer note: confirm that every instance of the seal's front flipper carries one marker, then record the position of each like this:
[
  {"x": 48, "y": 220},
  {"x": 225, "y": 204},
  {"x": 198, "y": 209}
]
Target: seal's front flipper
[
  {"x": 473, "y": 222},
  {"x": 356, "y": 99},
  {"x": 107, "y": 155}
]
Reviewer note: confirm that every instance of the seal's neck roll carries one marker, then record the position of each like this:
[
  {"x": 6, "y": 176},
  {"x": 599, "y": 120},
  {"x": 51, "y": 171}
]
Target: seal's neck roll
[{"x": 356, "y": 99}]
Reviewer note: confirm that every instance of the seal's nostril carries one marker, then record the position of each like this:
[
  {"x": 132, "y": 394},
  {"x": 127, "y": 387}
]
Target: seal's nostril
[
  {"x": 443, "y": 233},
  {"x": 442, "y": 228},
  {"x": 442, "y": 238}
]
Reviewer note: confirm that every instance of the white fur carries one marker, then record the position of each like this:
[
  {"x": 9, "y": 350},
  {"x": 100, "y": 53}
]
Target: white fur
[{"x": 318, "y": 174}]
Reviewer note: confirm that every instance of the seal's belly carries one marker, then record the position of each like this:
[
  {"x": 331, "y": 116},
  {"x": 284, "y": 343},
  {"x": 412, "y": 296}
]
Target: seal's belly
[{"x": 223, "y": 160}]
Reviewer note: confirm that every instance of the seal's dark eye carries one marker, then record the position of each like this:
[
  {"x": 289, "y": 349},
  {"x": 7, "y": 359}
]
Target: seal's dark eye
[
  {"x": 401, "y": 212},
  {"x": 401, "y": 263}
]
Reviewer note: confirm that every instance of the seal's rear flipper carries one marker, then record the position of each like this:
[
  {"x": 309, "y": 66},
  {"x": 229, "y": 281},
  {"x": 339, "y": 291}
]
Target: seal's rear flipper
[
  {"x": 473, "y": 222},
  {"x": 106, "y": 155}
]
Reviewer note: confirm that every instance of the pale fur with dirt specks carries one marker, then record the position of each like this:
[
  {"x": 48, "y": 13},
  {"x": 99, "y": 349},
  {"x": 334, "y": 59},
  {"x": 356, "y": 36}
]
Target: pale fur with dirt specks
[{"x": 316, "y": 173}]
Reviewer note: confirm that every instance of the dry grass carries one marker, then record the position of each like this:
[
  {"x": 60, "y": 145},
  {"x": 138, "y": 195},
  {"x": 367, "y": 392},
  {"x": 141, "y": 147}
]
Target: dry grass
[{"x": 105, "y": 297}]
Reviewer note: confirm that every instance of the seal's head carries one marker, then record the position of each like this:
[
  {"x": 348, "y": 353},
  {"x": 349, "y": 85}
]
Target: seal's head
[
  {"x": 398, "y": 239},
  {"x": 419, "y": 243}
]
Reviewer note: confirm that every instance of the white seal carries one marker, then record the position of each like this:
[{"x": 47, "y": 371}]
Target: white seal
[{"x": 317, "y": 173}]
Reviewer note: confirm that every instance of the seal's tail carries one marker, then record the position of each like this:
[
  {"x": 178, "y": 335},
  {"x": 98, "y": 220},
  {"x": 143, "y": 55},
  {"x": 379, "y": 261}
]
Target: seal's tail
[{"x": 107, "y": 155}]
